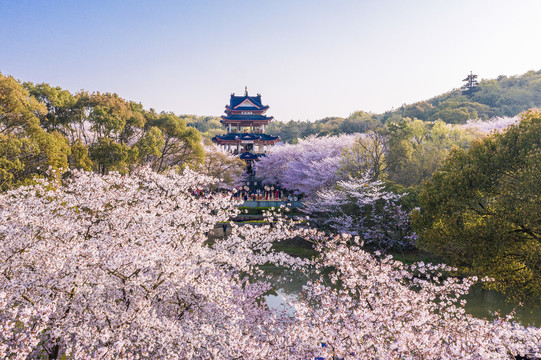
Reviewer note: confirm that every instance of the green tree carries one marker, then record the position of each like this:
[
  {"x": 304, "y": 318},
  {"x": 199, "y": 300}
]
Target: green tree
[
  {"x": 150, "y": 145},
  {"x": 359, "y": 122},
  {"x": 417, "y": 148},
  {"x": 26, "y": 150},
  {"x": 135, "y": 122},
  {"x": 109, "y": 115},
  {"x": 109, "y": 155},
  {"x": 421, "y": 110},
  {"x": 480, "y": 211},
  {"x": 60, "y": 106},
  {"x": 79, "y": 158},
  {"x": 18, "y": 110},
  {"x": 181, "y": 144},
  {"x": 11, "y": 162},
  {"x": 289, "y": 131},
  {"x": 209, "y": 126},
  {"x": 366, "y": 156},
  {"x": 222, "y": 166},
  {"x": 471, "y": 84}
]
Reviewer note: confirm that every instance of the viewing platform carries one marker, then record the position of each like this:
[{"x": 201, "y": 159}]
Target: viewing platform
[{"x": 271, "y": 203}]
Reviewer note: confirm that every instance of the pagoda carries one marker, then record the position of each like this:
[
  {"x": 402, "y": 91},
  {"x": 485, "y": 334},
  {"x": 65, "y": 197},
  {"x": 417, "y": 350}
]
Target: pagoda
[{"x": 245, "y": 121}]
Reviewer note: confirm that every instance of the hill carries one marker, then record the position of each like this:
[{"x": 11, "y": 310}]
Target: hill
[
  {"x": 500, "y": 97},
  {"x": 503, "y": 96}
]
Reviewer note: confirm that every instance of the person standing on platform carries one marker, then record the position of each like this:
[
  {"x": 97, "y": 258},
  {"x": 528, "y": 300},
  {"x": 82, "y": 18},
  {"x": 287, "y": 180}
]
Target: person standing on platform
[{"x": 224, "y": 228}]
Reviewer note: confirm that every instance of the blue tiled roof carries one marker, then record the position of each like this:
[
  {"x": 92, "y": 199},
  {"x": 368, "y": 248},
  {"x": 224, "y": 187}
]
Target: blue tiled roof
[
  {"x": 250, "y": 156},
  {"x": 236, "y": 100}
]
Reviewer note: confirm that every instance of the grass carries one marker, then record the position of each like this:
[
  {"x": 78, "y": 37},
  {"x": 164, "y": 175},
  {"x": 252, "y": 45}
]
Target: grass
[
  {"x": 412, "y": 256},
  {"x": 304, "y": 249},
  {"x": 295, "y": 247}
]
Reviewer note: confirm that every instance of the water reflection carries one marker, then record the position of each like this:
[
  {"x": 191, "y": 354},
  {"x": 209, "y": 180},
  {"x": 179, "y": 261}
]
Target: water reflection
[
  {"x": 484, "y": 303},
  {"x": 281, "y": 302},
  {"x": 481, "y": 303}
]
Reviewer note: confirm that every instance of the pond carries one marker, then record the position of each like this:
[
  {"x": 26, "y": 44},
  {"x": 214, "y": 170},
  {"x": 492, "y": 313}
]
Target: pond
[{"x": 481, "y": 303}]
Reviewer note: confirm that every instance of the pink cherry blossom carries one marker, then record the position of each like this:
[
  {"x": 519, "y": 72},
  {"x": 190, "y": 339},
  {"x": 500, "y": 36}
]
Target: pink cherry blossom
[
  {"x": 362, "y": 207},
  {"x": 306, "y": 167},
  {"x": 120, "y": 267}
]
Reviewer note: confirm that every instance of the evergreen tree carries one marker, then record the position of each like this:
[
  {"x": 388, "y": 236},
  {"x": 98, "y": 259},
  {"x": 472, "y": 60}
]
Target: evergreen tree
[{"x": 471, "y": 84}]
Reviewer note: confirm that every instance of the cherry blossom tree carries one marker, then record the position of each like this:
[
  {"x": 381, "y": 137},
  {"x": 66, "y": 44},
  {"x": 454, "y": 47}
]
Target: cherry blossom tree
[
  {"x": 378, "y": 308},
  {"x": 119, "y": 267},
  {"x": 494, "y": 124},
  {"x": 20, "y": 327},
  {"x": 304, "y": 168},
  {"x": 362, "y": 207},
  {"x": 124, "y": 263}
]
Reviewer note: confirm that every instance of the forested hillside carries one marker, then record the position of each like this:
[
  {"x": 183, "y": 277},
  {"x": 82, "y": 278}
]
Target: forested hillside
[{"x": 503, "y": 96}]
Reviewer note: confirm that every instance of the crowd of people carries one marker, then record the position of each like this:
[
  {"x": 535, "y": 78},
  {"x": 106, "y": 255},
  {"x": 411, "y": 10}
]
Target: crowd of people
[
  {"x": 263, "y": 195},
  {"x": 247, "y": 194}
]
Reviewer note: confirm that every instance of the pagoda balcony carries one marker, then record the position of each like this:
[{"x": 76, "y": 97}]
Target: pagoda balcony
[
  {"x": 245, "y": 138},
  {"x": 246, "y": 120},
  {"x": 245, "y": 110}
]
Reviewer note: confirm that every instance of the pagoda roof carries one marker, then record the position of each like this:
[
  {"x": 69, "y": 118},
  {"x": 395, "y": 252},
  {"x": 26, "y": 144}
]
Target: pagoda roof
[
  {"x": 250, "y": 156},
  {"x": 246, "y": 102},
  {"x": 246, "y": 137},
  {"x": 252, "y": 117}
]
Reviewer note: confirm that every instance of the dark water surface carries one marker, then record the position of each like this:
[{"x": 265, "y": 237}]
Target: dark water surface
[{"x": 481, "y": 303}]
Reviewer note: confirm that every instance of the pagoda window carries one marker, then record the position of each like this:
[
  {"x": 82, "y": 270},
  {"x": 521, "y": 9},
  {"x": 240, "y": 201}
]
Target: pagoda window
[{"x": 246, "y": 112}]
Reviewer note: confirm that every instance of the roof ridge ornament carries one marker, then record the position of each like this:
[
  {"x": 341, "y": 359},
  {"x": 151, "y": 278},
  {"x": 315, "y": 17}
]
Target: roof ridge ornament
[{"x": 246, "y": 90}]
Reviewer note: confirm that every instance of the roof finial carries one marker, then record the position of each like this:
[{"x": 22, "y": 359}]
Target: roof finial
[{"x": 246, "y": 91}]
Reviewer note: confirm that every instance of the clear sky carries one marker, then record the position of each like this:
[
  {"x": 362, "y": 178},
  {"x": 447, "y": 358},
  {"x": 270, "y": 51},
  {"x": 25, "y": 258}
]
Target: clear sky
[{"x": 308, "y": 59}]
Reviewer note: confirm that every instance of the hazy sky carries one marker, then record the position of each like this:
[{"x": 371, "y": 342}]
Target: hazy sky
[{"x": 308, "y": 59}]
